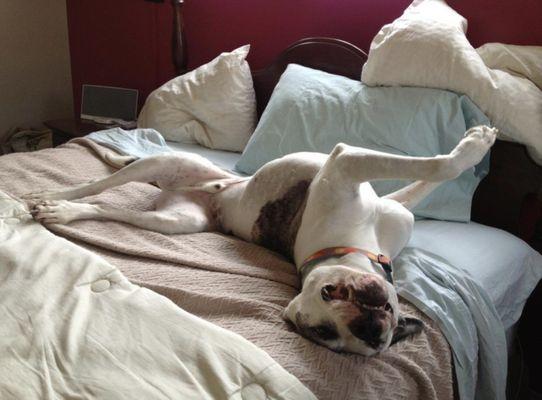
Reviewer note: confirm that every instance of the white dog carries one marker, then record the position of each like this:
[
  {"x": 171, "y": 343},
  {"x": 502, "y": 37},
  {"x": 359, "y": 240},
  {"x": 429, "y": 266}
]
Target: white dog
[{"x": 319, "y": 210}]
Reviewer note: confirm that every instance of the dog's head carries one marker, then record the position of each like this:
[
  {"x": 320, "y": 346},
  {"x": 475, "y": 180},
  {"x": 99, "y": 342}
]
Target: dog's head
[{"x": 349, "y": 310}]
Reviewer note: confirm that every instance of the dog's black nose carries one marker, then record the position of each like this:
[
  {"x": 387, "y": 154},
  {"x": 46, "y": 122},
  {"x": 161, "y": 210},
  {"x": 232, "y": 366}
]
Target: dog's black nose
[{"x": 368, "y": 327}]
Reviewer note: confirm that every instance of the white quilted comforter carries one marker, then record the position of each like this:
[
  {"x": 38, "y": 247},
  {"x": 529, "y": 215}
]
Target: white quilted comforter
[{"x": 74, "y": 327}]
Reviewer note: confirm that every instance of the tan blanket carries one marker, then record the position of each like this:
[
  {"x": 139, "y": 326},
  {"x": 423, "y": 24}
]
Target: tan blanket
[{"x": 234, "y": 284}]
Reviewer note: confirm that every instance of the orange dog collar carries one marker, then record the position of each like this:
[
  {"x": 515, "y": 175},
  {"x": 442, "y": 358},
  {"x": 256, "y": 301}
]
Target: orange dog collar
[{"x": 310, "y": 262}]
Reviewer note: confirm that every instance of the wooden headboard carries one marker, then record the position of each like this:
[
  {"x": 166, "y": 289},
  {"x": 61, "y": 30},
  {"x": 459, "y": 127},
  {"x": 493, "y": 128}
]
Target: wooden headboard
[
  {"x": 510, "y": 197},
  {"x": 331, "y": 55}
]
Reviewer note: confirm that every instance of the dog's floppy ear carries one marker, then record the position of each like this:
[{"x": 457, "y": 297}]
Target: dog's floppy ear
[{"x": 406, "y": 327}]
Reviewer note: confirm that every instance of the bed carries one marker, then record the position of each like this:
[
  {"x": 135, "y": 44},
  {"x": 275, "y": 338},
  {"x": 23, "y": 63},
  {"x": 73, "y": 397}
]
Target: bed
[{"x": 244, "y": 288}]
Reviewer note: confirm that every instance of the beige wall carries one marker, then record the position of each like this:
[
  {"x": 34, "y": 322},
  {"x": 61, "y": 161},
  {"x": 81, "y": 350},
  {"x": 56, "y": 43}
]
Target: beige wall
[{"x": 35, "y": 74}]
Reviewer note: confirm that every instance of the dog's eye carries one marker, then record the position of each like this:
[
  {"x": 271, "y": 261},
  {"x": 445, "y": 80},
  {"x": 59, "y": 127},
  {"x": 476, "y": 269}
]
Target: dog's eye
[
  {"x": 325, "y": 332},
  {"x": 326, "y": 292},
  {"x": 388, "y": 307}
]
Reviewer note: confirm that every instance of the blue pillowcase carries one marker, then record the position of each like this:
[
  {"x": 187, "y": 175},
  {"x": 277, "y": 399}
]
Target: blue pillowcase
[{"x": 311, "y": 110}]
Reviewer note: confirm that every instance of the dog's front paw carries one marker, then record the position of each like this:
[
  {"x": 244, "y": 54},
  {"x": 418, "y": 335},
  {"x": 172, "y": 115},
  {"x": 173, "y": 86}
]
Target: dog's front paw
[
  {"x": 483, "y": 133},
  {"x": 474, "y": 146}
]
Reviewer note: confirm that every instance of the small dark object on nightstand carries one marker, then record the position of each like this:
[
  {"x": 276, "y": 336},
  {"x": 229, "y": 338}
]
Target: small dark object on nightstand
[{"x": 69, "y": 128}]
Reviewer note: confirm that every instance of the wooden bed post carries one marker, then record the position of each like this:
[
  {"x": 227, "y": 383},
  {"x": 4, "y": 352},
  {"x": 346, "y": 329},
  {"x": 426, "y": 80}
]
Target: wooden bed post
[{"x": 178, "y": 48}]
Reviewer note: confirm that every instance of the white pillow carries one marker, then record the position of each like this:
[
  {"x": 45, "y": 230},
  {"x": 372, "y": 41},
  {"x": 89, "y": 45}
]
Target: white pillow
[
  {"x": 427, "y": 47},
  {"x": 213, "y": 105},
  {"x": 524, "y": 61}
]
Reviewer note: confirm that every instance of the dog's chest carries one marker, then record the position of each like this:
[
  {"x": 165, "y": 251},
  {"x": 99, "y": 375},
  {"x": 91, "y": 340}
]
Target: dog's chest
[{"x": 364, "y": 221}]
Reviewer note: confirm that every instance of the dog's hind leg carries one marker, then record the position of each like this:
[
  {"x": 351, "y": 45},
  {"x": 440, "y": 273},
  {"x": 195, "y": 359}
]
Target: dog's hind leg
[
  {"x": 171, "y": 169},
  {"x": 187, "y": 218}
]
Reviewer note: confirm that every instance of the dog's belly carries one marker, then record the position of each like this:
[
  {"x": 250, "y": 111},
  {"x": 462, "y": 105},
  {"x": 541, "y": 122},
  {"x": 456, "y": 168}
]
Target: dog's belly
[{"x": 267, "y": 209}]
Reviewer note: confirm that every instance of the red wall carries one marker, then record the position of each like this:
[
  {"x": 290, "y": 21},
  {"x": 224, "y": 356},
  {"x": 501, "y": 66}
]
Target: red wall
[{"x": 126, "y": 43}]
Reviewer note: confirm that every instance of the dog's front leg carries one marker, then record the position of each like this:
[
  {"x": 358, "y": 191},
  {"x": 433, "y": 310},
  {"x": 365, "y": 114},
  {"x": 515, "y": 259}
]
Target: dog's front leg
[{"x": 411, "y": 195}]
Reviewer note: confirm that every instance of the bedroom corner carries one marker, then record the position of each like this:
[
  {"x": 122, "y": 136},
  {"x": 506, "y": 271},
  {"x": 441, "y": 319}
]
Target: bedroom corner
[{"x": 35, "y": 71}]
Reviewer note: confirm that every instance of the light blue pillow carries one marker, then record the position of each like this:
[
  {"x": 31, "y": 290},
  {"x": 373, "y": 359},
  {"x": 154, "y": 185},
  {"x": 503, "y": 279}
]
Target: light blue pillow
[{"x": 311, "y": 110}]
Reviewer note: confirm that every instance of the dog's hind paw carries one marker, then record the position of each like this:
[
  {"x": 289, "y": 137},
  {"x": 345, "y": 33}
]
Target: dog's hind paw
[{"x": 58, "y": 212}]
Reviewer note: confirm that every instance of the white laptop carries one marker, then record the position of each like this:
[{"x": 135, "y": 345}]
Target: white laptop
[{"x": 109, "y": 105}]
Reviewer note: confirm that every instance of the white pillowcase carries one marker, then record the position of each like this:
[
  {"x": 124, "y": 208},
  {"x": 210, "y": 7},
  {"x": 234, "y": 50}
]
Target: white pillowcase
[
  {"x": 213, "y": 105},
  {"x": 427, "y": 47}
]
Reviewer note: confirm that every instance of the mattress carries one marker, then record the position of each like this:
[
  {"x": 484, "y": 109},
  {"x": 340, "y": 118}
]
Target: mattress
[{"x": 504, "y": 265}]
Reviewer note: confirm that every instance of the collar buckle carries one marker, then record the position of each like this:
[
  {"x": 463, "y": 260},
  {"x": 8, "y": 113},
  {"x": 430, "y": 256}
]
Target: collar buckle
[{"x": 382, "y": 259}]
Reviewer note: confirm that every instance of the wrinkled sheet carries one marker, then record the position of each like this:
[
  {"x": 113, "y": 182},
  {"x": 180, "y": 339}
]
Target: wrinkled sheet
[
  {"x": 234, "y": 284},
  {"x": 465, "y": 314},
  {"x": 74, "y": 327},
  {"x": 135, "y": 142}
]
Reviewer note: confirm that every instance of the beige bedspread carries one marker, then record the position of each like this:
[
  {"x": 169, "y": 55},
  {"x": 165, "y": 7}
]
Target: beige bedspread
[{"x": 234, "y": 284}]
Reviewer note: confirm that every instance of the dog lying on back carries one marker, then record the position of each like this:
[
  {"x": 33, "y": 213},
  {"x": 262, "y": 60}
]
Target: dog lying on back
[{"x": 319, "y": 210}]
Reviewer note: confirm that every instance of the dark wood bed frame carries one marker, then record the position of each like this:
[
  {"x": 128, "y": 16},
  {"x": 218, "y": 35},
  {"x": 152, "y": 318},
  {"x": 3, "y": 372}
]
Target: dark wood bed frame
[{"x": 510, "y": 197}]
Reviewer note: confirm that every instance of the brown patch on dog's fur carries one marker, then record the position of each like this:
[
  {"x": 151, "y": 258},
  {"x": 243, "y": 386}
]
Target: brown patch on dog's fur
[{"x": 277, "y": 225}]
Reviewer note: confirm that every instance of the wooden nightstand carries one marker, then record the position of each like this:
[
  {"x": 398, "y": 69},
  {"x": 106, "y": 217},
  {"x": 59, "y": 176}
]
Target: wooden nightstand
[{"x": 69, "y": 128}]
